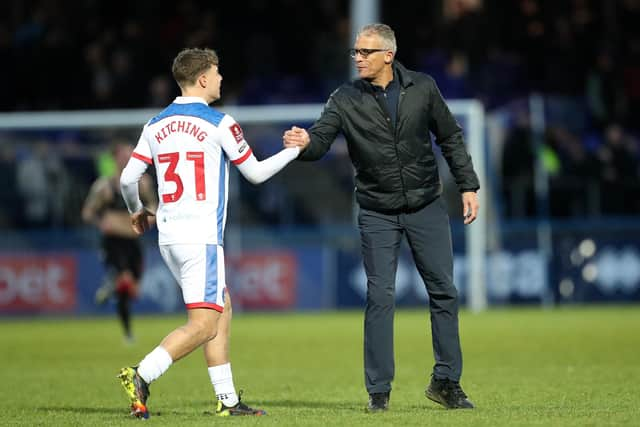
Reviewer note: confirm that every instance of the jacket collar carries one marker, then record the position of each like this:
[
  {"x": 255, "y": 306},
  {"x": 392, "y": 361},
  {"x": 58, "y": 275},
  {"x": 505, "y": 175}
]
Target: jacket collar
[
  {"x": 404, "y": 77},
  {"x": 399, "y": 72}
]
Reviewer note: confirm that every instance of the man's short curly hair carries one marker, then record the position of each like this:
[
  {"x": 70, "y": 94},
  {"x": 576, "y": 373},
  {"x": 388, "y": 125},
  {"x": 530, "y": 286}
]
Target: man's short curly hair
[{"x": 190, "y": 63}]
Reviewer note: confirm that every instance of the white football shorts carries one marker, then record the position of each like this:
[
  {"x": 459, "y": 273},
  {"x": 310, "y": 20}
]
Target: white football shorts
[{"x": 199, "y": 270}]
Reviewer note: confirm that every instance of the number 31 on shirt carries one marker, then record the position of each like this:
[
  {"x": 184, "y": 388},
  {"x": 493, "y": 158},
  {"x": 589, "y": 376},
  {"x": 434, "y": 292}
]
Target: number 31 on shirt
[{"x": 197, "y": 157}]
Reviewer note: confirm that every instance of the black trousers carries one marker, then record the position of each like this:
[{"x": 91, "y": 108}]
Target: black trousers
[{"x": 429, "y": 236}]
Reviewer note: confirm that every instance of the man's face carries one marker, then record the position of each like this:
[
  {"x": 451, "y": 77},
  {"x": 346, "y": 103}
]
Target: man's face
[
  {"x": 371, "y": 65},
  {"x": 214, "y": 81}
]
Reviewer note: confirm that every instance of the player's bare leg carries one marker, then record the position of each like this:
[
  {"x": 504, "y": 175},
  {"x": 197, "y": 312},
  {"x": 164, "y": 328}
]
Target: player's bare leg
[
  {"x": 201, "y": 327},
  {"x": 216, "y": 354},
  {"x": 216, "y": 351}
]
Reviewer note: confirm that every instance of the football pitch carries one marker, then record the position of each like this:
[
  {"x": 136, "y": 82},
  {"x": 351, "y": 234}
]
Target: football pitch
[{"x": 562, "y": 367}]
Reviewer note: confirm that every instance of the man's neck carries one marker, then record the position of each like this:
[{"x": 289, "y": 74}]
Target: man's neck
[
  {"x": 196, "y": 94},
  {"x": 384, "y": 78}
]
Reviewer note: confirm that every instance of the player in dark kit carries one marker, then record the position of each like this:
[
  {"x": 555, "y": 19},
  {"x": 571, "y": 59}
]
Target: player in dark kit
[{"x": 121, "y": 250}]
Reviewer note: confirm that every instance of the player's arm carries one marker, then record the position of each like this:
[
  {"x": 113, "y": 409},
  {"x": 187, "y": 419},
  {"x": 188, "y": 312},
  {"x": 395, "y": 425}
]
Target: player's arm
[
  {"x": 95, "y": 201},
  {"x": 129, "y": 179},
  {"x": 148, "y": 195},
  {"x": 257, "y": 172},
  {"x": 241, "y": 155},
  {"x": 129, "y": 185}
]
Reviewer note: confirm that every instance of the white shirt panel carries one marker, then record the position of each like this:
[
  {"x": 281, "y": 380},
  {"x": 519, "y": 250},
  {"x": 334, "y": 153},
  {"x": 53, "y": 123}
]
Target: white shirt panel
[{"x": 191, "y": 153}]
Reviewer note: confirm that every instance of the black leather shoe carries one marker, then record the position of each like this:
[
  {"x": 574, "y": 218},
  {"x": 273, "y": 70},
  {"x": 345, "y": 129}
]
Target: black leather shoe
[
  {"x": 378, "y": 402},
  {"x": 448, "y": 393}
]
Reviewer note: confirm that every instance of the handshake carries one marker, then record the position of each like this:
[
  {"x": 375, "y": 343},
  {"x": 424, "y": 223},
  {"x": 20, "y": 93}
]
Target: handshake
[{"x": 296, "y": 137}]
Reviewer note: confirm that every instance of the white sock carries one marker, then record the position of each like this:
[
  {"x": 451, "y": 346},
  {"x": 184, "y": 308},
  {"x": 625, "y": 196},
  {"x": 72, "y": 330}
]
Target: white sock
[
  {"x": 154, "y": 364},
  {"x": 222, "y": 380}
]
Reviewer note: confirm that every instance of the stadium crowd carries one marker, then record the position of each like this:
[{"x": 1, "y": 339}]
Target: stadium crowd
[{"x": 583, "y": 56}]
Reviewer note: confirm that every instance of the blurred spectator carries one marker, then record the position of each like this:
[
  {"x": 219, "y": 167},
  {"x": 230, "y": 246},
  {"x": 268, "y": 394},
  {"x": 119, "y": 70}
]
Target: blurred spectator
[
  {"x": 43, "y": 185},
  {"x": 620, "y": 175},
  {"x": 455, "y": 83},
  {"x": 9, "y": 198},
  {"x": 517, "y": 166},
  {"x": 161, "y": 91},
  {"x": 629, "y": 17},
  {"x": 561, "y": 63},
  {"x": 603, "y": 92},
  {"x": 466, "y": 31},
  {"x": 573, "y": 189},
  {"x": 330, "y": 49},
  {"x": 528, "y": 32}
]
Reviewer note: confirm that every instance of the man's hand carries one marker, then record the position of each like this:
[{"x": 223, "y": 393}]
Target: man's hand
[
  {"x": 141, "y": 221},
  {"x": 470, "y": 206},
  {"x": 296, "y": 137}
]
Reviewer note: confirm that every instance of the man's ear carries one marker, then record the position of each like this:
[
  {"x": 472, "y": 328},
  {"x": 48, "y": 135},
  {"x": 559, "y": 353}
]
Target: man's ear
[
  {"x": 202, "y": 80},
  {"x": 388, "y": 57}
]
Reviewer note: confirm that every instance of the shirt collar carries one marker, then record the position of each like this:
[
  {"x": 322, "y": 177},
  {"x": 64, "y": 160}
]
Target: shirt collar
[
  {"x": 189, "y": 100},
  {"x": 393, "y": 84}
]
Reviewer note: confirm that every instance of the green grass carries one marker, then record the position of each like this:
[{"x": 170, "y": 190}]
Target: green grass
[{"x": 564, "y": 367}]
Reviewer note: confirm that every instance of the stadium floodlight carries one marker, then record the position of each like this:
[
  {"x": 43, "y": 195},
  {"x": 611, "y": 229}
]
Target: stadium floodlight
[{"x": 470, "y": 113}]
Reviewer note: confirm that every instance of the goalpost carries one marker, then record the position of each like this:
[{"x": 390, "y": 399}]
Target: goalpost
[{"x": 471, "y": 111}]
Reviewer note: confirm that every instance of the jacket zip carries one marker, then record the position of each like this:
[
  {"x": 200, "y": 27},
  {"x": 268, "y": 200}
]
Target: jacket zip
[
  {"x": 394, "y": 133},
  {"x": 383, "y": 106},
  {"x": 395, "y": 144}
]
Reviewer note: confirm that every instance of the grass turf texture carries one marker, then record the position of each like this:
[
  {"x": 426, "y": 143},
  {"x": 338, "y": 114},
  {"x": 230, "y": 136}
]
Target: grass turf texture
[{"x": 562, "y": 367}]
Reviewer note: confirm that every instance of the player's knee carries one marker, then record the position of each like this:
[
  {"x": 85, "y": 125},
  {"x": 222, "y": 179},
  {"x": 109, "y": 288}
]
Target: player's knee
[
  {"x": 205, "y": 329},
  {"x": 209, "y": 335}
]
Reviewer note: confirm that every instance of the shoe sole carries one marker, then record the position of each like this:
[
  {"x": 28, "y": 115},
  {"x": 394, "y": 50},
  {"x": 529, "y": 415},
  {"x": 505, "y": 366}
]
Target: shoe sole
[
  {"x": 138, "y": 409},
  {"x": 435, "y": 399},
  {"x": 228, "y": 413}
]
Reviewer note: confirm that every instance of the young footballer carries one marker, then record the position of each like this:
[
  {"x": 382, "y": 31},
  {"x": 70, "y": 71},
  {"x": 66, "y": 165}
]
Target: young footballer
[{"x": 191, "y": 145}]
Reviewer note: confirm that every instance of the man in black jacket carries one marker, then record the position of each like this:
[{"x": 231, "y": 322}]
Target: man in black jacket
[{"x": 386, "y": 117}]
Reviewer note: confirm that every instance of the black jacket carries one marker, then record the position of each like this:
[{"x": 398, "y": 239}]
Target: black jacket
[{"x": 396, "y": 169}]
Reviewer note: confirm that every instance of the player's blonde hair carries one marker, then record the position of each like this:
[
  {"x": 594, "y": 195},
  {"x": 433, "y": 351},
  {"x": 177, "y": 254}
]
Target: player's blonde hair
[
  {"x": 384, "y": 32},
  {"x": 190, "y": 63}
]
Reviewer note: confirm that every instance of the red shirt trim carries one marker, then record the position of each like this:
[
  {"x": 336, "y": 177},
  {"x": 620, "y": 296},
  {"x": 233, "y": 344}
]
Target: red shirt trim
[
  {"x": 212, "y": 306},
  {"x": 242, "y": 159},
  {"x": 141, "y": 157}
]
